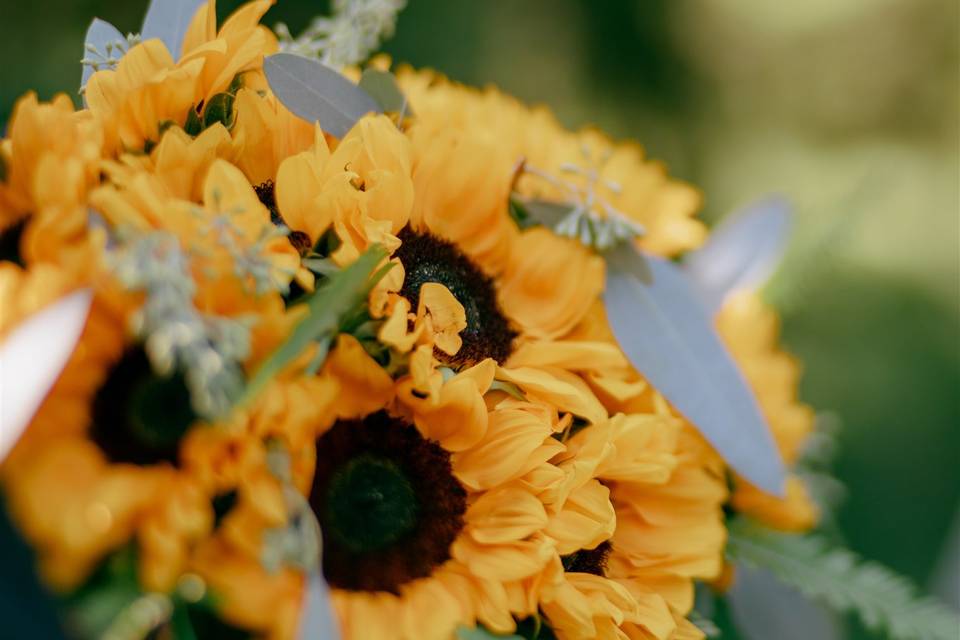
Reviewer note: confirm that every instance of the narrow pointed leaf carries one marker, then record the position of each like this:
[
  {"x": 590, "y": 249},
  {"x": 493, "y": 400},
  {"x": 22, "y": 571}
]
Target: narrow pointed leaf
[
  {"x": 383, "y": 88},
  {"x": 169, "y": 21},
  {"x": 547, "y": 213},
  {"x": 317, "y": 93},
  {"x": 885, "y": 602},
  {"x": 632, "y": 261},
  {"x": 742, "y": 252},
  {"x": 764, "y": 608},
  {"x": 31, "y": 359},
  {"x": 100, "y": 33},
  {"x": 669, "y": 337},
  {"x": 329, "y": 305},
  {"x": 318, "y": 621}
]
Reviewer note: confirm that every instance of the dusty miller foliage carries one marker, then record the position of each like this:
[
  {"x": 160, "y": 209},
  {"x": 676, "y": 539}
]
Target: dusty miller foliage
[
  {"x": 349, "y": 36},
  {"x": 250, "y": 263},
  {"x": 844, "y": 581},
  {"x": 208, "y": 349},
  {"x": 299, "y": 543}
]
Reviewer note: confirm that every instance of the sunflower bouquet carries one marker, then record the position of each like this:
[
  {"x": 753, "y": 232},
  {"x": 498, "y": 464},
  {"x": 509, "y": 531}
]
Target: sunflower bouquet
[{"x": 301, "y": 344}]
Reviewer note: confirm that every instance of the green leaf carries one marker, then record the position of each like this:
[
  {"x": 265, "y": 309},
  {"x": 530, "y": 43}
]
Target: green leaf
[
  {"x": 383, "y": 88},
  {"x": 845, "y": 582},
  {"x": 336, "y": 299},
  {"x": 112, "y": 588},
  {"x": 193, "y": 124},
  {"x": 669, "y": 337},
  {"x": 219, "y": 109},
  {"x": 180, "y": 623},
  {"x": 317, "y": 93}
]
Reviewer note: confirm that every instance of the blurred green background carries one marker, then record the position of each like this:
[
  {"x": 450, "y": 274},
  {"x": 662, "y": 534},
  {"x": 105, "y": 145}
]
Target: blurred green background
[{"x": 849, "y": 108}]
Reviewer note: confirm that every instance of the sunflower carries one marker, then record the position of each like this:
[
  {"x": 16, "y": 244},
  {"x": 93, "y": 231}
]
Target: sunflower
[
  {"x": 49, "y": 162},
  {"x": 100, "y": 465},
  {"x": 560, "y": 160},
  {"x": 750, "y": 330},
  {"x": 235, "y": 249},
  {"x": 424, "y": 528},
  {"x": 451, "y": 525},
  {"x": 148, "y": 90},
  {"x": 97, "y": 465},
  {"x": 666, "y": 486}
]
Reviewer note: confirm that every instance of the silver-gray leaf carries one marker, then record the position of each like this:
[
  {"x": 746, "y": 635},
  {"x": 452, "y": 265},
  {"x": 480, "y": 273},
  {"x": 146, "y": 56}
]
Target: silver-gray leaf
[
  {"x": 383, "y": 88},
  {"x": 668, "y": 336},
  {"x": 169, "y": 21},
  {"x": 764, "y": 607},
  {"x": 317, "y": 620},
  {"x": 631, "y": 260},
  {"x": 317, "y": 93},
  {"x": 742, "y": 252},
  {"x": 100, "y": 34},
  {"x": 547, "y": 213}
]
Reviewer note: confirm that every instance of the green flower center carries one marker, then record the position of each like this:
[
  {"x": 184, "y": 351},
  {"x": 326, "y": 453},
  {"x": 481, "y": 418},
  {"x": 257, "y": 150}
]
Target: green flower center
[
  {"x": 370, "y": 504},
  {"x": 427, "y": 258},
  {"x": 138, "y": 416}
]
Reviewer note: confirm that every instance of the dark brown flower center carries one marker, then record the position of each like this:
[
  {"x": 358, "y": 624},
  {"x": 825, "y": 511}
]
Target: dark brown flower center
[
  {"x": 10, "y": 242},
  {"x": 388, "y": 504},
  {"x": 427, "y": 258},
  {"x": 138, "y": 416},
  {"x": 266, "y": 194},
  {"x": 593, "y": 561}
]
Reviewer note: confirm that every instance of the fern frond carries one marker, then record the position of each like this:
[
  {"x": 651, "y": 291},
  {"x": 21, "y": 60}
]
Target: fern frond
[{"x": 841, "y": 579}]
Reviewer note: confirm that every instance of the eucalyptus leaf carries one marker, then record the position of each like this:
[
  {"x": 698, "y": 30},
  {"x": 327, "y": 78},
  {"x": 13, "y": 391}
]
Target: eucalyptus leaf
[
  {"x": 631, "y": 260},
  {"x": 668, "y": 336},
  {"x": 100, "y": 33},
  {"x": 31, "y": 359},
  {"x": 317, "y": 93},
  {"x": 169, "y": 21},
  {"x": 329, "y": 305},
  {"x": 318, "y": 620},
  {"x": 742, "y": 252},
  {"x": 547, "y": 213},
  {"x": 763, "y": 608},
  {"x": 383, "y": 88}
]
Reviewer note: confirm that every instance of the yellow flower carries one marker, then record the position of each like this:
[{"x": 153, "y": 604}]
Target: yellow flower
[
  {"x": 667, "y": 488},
  {"x": 429, "y": 521},
  {"x": 626, "y": 181},
  {"x": 265, "y": 133},
  {"x": 147, "y": 91},
  {"x": 362, "y": 187},
  {"x": 750, "y": 330},
  {"x": 50, "y": 161},
  {"x": 230, "y": 461},
  {"x": 230, "y": 220},
  {"x": 96, "y": 466}
]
